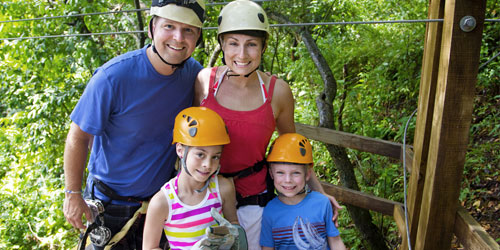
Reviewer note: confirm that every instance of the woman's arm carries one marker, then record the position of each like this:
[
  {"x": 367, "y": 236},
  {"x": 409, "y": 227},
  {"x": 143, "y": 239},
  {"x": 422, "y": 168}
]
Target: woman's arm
[
  {"x": 155, "y": 218},
  {"x": 228, "y": 195},
  {"x": 201, "y": 86},
  {"x": 283, "y": 107}
]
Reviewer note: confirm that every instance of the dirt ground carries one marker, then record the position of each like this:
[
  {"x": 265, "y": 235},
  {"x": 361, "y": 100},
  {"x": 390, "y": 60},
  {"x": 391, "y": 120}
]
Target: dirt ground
[{"x": 485, "y": 209}]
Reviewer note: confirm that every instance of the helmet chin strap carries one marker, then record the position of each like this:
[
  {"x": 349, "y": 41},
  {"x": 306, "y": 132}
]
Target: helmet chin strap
[
  {"x": 208, "y": 180},
  {"x": 247, "y": 75},
  {"x": 184, "y": 166},
  {"x": 173, "y": 65}
]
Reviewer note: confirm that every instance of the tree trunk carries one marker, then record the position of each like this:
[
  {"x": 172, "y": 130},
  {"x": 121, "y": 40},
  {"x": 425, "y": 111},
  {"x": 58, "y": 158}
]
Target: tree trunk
[
  {"x": 140, "y": 25},
  {"x": 214, "y": 56},
  {"x": 361, "y": 217}
]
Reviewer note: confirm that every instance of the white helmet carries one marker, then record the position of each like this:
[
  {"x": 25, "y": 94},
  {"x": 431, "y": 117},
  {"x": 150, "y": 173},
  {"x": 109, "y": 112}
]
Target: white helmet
[
  {"x": 241, "y": 15},
  {"x": 190, "y": 12}
]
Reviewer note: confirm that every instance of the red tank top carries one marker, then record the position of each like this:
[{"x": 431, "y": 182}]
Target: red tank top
[{"x": 250, "y": 133}]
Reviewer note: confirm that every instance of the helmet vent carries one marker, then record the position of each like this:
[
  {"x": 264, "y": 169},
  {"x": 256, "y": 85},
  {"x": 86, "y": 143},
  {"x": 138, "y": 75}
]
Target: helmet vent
[
  {"x": 192, "y": 131},
  {"x": 219, "y": 20},
  {"x": 192, "y": 123},
  {"x": 261, "y": 17},
  {"x": 303, "y": 151},
  {"x": 302, "y": 147}
]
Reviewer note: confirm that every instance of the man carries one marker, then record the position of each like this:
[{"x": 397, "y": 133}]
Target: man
[{"x": 126, "y": 115}]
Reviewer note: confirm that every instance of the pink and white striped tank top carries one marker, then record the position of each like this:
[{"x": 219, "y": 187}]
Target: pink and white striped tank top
[{"x": 186, "y": 224}]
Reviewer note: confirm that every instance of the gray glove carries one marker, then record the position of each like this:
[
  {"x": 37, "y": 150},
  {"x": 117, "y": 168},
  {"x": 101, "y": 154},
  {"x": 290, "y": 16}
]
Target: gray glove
[{"x": 225, "y": 236}]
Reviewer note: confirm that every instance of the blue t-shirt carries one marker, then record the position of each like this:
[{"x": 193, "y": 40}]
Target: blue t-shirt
[
  {"x": 130, "y": 109},
  {"x": 305, "y": 225}
]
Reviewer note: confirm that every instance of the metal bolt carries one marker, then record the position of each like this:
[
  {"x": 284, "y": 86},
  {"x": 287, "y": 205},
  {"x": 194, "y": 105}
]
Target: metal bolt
[{"x": 467, "y": 23}]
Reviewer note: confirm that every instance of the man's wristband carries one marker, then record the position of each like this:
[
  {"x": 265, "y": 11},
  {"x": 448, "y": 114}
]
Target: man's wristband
[{"x": 72, "y": 192}]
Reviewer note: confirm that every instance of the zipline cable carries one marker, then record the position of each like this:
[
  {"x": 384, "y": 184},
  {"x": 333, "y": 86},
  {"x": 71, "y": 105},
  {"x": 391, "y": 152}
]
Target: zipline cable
[
  {"x": 404, "y": 180},
  {"x": 214, "y": 28},
  {"x": 487, "y": 62},
  {"x": 75, "y": 15},
  {"x": 76, "y": 35},
  {"x": 133, "y": 10},
  {"x": 272, "y": 25},
  {"x": 105, "y": 13}
]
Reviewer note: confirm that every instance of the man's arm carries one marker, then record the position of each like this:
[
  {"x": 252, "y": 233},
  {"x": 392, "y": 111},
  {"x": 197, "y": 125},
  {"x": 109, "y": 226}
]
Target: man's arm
[{"x": 75, "y": 157}]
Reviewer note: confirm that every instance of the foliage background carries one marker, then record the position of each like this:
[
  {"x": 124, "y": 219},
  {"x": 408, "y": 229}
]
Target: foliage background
[{"x": 42, "y": 79}]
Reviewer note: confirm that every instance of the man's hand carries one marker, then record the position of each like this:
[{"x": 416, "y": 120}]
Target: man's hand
[
  {"x": 224, "y": 236},
  {"x": 74, "y": 207}
]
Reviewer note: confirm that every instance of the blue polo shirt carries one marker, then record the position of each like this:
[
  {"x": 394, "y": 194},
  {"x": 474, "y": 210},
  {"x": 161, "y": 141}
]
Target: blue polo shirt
[{"x": 130, "y": 109}]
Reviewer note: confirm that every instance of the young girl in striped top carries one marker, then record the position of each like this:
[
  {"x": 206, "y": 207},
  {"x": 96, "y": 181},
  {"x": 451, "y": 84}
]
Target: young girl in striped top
[{"x": 182, "y": 207}]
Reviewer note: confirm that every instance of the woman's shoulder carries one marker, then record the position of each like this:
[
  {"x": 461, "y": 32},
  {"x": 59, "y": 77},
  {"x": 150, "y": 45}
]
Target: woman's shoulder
[
  {"x": 279, "y": 85},
  {"x": 203, "y": 78},
  {"x": 205, "y": 71}
]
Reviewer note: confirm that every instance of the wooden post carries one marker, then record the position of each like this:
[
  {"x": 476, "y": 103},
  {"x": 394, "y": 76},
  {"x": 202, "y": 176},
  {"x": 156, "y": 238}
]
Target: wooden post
[
  {"x": 428, "y": 82},
  {"x": 455, "y": 90}
]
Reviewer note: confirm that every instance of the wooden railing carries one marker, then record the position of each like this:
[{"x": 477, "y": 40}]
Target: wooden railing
[{"x": 468, "y": 231}]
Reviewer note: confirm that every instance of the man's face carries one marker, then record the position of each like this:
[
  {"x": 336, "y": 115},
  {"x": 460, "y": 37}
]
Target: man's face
[{"x": 174, "y": 41}]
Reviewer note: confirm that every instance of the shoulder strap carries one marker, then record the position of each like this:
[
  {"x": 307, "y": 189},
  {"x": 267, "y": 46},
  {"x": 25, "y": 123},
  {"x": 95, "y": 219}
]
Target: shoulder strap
[
  {"x": 272, "y": 83},
  {"x": 213, "y": 73}
]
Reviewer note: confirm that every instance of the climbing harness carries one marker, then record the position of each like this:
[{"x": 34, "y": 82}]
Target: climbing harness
[{"x": 99, "y": 234}]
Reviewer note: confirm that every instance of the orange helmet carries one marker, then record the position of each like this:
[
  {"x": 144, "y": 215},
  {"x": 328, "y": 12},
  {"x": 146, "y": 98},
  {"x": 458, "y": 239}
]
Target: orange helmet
[
  {"x": 291, "y": 148},
  {"x": 199, "y": 126}
]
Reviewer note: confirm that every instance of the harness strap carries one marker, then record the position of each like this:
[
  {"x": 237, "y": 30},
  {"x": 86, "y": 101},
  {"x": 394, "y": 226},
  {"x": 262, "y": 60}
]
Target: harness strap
[
  {"x": 110, "y": 193},
  {"x": 82, "y": 244},
  {"x": 258, "y": 199},
  {"x": 118, "y": 236},
  {"x": 257, "y": 167}
]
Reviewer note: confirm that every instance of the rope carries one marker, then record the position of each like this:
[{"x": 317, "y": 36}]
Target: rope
[{"x": 404, "y": 181}]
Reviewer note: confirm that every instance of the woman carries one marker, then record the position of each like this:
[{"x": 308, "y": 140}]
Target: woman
[{"x": 252, "y": 104}]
